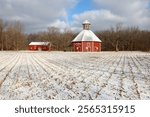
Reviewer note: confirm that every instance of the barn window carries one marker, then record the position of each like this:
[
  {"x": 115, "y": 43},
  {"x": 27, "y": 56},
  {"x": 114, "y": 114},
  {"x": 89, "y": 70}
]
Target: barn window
[{"x": 96, "y": 48}]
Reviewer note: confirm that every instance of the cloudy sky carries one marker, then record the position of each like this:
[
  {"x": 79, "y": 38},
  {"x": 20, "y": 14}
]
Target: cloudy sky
[{"x": 37, "y": 15}]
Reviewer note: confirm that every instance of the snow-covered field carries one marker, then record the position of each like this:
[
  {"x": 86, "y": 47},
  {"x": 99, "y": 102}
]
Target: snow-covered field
[{"x": 70, "y": 75}]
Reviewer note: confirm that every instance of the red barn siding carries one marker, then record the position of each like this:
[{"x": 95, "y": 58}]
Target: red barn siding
[
  {"x": 38, "y": 47},
  {"x": 97, "y": 46},
  {"x": 86, "y": 46},
  {"x": 77, "y": 46}
]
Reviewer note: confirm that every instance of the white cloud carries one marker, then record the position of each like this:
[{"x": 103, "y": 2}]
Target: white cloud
[
  {"x": 62, "y": 25},
  {"x": 100, "y": 19},
  {"x": 35, "y": 14},
  {"x": 122, "y": 6},
  {"x": 110, "y": 12},
  {"x": 58, "y": 23},
  {"x": 39, "y": 14},
  {"x": 136, "y": 12}
]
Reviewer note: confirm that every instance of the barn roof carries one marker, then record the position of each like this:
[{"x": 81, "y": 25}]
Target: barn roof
[
  {"x": 39, "y": 43},
  {"x": 86, "y": 35}
]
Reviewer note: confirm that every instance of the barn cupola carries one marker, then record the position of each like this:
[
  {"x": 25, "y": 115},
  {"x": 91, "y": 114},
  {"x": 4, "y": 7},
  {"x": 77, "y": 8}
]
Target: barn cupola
[
  {"x": 86, "y": 40},
  {"x": 86, "y": 25}
]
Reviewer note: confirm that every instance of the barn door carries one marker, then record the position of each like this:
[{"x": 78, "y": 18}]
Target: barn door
[
  {"x": 78, "y": 48},
  {"x": 39, "y": 49},
  {"x": 88, "y": 47}
]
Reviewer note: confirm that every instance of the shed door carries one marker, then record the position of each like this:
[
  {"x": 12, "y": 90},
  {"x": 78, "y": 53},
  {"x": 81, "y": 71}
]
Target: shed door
[{"x": 39, "y": 48}]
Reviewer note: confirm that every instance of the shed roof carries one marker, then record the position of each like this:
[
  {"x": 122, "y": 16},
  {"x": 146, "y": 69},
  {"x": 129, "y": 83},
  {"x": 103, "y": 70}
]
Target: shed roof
[
  {"x": 86, "y": 35},
  {"x": 40, "y": 43}
]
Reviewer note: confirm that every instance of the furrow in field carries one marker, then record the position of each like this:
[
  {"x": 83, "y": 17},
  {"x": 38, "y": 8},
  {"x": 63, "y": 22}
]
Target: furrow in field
[
  {"x": 141, "y": 79},
  {"x": 8, "y": 62},
  {"x": 56, "y": 79},
  {"x": 67, "y": 75},
  {"x": 10, "y": 77},
  {"x": 112, "y": 83},
  {"x": 5, "y": 57},
  {"x": 135, "y": 94}
]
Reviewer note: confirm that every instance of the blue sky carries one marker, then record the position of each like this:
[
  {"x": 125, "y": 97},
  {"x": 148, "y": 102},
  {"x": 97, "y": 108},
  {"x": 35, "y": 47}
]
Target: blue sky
[
  {"x": 81, "y": 6},
  {"x": 38, "y": 15}
]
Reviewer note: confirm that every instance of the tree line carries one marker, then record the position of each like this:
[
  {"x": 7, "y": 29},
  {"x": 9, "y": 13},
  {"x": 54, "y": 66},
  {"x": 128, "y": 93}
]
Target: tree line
[
  {"x": 12, "y": 36},
  {"x": 118, "y": 38}
]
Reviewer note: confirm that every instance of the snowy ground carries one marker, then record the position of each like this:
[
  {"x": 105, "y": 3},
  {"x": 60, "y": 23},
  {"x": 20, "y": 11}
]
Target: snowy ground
[{"x": 70, "y": 75}]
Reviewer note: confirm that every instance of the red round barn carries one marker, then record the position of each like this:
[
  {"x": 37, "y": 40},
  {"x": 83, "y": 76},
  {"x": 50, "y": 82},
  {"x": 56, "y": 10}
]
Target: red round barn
[{"x": 86, "y": 40}]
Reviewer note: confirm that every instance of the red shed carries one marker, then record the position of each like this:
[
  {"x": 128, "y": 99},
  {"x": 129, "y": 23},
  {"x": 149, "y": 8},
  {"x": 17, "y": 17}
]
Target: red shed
[
  {"x": 40, "y": 46},
  {"x": 86, "y": 40}
]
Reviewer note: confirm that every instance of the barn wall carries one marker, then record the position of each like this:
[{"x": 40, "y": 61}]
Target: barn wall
[
  {"x": 38, "y": 48},
  {"x": 97, "y": 46},
  {"x": 86, "y": 46},
  {"x": 77, "y": 46}
]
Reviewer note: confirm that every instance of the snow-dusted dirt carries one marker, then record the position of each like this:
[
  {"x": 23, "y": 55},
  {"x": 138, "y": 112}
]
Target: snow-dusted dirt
[{"x": 70, "y": 75}]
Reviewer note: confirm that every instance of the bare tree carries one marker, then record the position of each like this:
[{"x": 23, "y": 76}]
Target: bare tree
[
  {"x": 18, "y": 27},
  {"x": 2, "y": 28}
]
